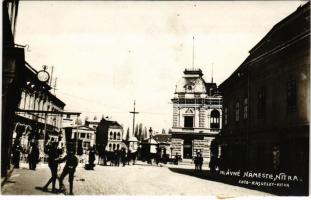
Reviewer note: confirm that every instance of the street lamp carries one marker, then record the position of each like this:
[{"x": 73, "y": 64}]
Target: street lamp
[{"x": 171, "y": 152}]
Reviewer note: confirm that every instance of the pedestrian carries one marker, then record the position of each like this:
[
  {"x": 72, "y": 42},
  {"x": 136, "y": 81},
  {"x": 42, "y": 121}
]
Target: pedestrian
[
  {"x": 200, "y": 161},
  {"x": 17, "y": 149},
  {"x": 123, "y": 156},
  {"x": 176, "y": 159},
  {"x": 92, "y": 158},
  {"x": 53, "y": 154},
  {"x": 33, "y": 156},
  {"x": 70, "y": 168},
  {"x": 196, "y": 165}
]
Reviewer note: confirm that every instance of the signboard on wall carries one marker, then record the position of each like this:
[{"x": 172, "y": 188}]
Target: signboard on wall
[
  {"x": 177, "y": 146},
  {"x": 202, "y": 146}
]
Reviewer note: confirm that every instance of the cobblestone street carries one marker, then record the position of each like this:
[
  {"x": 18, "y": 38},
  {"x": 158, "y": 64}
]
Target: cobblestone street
[{"x": 140, "y": 179}]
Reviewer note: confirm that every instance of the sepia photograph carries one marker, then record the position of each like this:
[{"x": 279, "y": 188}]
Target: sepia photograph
[{"x": 155, "y": 98}]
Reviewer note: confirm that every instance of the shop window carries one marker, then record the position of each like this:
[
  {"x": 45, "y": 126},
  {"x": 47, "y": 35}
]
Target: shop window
[{"x": 188, "y": 121}]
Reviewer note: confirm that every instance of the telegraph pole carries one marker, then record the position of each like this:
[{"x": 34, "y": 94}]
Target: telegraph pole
[{"x": 134, "y": 113}]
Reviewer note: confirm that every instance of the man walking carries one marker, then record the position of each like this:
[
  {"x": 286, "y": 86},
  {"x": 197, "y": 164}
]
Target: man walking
[
  {"x": 53, "y": 154},
  {"x": 70, "y": 168}
]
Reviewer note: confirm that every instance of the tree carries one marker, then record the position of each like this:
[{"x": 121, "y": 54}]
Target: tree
[
  {"x": 127, "y": 134},
  {"x": 136, "y": 131},
  {"x": 145, "y": 132}
]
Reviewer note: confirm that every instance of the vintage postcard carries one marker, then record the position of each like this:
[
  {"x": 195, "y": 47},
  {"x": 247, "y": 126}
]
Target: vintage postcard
[{"x": 155, "y": 98}]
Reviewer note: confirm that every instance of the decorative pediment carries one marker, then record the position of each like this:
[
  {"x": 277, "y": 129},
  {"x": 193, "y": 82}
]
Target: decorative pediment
[{"x": 189, "y": 111}]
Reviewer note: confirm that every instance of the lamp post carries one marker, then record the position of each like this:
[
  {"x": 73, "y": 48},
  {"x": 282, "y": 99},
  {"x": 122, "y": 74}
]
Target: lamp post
[{"x": 171, "y": 152}]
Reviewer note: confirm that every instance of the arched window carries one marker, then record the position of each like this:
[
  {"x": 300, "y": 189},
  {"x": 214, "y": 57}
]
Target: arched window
[
  {"x": 114, "y": 146},
  {"x": 114, "y": 136},
  {"x": 110, "y": 135},
  {"x": 118, "y": 146},
  {"x": 110, "y": 146},
  {"x": 119, "y": 136},
  {"x": 215, "y": 118}
]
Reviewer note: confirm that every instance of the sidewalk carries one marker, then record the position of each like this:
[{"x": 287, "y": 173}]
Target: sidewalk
[{"x": 23, "y": 181}]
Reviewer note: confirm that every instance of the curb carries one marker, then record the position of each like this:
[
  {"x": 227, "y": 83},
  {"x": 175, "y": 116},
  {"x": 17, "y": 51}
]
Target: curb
[{"x": 4, "y": 179}]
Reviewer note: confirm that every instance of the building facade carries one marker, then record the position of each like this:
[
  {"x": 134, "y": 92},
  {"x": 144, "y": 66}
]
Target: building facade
[
  {"x": 266, "y": 102},
  {"x": 197, "y": 112},
  {"x": 13, "y": 66},
  {"x": 36, "y": 99},
  {"x": 115, "y": 141},
  {"x": 85, "y": 135}
]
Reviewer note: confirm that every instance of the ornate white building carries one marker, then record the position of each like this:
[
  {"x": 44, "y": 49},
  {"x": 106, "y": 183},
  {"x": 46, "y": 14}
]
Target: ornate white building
[{"x": 196, "y": 115}]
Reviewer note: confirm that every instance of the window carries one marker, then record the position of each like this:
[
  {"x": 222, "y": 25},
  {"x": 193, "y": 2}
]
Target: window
[
  {"x": 261, "y": 104},
  {"x": 119, "y": 137},
  {"x": 114, "y": 146},
  {"x": 114, "y": 135},
  {"x": 118, "y": 146},
  {"x": 291, "y": 96},
  {"x": 215, "y": 117},
  {"x": 188, "y": 121},
  {"x": 237, "y": 111},
  {"x": 86, "y": 145},
  {"x": 226, "y": 116},
  {"x": 245, "y": 109},
  {"x": 110, "y": 147},
  {"x": 110, "y": 135},
  {"x": 82, "y": 135}
]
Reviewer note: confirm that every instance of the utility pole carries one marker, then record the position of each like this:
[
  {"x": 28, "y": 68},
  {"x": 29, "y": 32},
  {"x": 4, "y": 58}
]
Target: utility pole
[{"x": 134, "y": 113}]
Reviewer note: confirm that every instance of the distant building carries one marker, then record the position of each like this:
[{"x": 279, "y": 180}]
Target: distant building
[
  {"x": 266, "y": 102},
  {"x": 109, "y": 136},
  {"x": 92, "y": 123},
  {"x": 164, "y": 143},
  {"x": 197, "y": 111},
  {"x": 86, "y": 135}
]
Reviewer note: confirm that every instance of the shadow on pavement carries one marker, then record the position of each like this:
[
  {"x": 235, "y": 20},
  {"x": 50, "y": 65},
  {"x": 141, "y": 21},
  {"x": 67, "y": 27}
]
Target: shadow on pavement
[{"x": 208, "y": 175}]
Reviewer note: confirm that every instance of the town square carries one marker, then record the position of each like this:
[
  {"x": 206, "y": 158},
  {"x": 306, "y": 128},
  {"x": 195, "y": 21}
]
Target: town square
[{"x": 155, "y": 98}]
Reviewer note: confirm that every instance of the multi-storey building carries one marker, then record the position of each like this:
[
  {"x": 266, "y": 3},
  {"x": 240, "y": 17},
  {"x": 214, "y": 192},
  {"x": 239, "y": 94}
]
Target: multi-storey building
[
  {"x": 197, "y": 111},
  {"x": 266, "y": 102},
  {"x": 38, "y": 111}
]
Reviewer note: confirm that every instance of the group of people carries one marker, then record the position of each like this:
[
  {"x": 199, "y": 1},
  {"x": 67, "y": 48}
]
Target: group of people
[
  {"x": 122, "y": 156},
  {"x": 198, "y": 162},
  {"x": 33, "y": 154},
  {"x": 54, "y": 159}
]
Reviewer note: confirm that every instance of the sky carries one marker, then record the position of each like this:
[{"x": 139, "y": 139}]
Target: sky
[{"x": 108, "y": 54}]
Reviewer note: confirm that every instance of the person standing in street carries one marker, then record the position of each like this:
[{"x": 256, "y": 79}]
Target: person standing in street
[
  {"x": 70, "y": 168},
  {"x": 200, "y": 161},
  {"x": 123, "y": 156},
  {"x": 33, "y": 156},
  {"x": 92, "y": 158},
  {"x": 53, "y": 154},
  {"x": 16, "y": 153}
]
